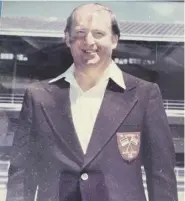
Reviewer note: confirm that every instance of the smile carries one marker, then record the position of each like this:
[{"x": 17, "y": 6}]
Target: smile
[{"x": 89, "y": 51}]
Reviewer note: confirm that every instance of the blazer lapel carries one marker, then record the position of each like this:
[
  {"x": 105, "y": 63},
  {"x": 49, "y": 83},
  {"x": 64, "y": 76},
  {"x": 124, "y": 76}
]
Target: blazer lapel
[
  {"x": 60, "y": 120},
  {"x": 116, "y": 105}
]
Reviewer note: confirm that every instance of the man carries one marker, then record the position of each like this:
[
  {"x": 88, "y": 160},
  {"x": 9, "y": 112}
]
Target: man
[{"x": 84, "y": 135}]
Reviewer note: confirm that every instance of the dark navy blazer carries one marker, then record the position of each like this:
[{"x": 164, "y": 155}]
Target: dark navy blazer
[{"x": 47, "y": 154}]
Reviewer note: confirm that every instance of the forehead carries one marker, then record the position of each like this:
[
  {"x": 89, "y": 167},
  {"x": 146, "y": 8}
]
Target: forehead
[{"x": 88, "y": 16}]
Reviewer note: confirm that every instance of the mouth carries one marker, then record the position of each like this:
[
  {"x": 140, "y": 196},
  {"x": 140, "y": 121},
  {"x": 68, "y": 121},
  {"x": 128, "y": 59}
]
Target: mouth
[{"x": 90, "y": 51}]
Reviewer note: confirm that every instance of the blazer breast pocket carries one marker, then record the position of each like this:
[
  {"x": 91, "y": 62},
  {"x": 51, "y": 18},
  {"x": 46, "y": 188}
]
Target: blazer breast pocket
[{"x": 129, "y": 144}]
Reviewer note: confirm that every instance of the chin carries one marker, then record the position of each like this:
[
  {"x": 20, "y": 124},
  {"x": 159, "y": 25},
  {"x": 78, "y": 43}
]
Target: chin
[{"x": 92, "y": 62}]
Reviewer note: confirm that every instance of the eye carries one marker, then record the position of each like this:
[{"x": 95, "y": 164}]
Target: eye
[
  {"x": 80, "y": 33},
  {"x": 98, "y": 34}
]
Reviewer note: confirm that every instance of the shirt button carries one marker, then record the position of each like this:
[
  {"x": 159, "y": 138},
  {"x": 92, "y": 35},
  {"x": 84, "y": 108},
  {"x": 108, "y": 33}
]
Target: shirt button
[{"x": 84, "y": 176}]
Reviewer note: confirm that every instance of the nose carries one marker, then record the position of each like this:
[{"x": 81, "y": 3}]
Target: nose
[{"x": 89, "y": 39}]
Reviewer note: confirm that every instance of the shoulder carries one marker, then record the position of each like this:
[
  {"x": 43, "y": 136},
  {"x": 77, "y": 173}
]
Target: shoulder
[
  {"x": 36, "y": 89},
  {"x": 131, "y": 80},
  {"x": 42, "y": 89},
  {"x": 38, "y": 86},
  {"x": 144, "y": 89}
]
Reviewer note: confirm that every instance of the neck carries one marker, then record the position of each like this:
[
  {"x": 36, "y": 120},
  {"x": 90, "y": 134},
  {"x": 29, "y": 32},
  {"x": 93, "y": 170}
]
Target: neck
[{"x": 87, "y": 77}]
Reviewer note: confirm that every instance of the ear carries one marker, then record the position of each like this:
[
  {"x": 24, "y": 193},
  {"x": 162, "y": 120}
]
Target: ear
[
  {"x": 67, "y": 39},
  {"x": 114, "y": 41}
]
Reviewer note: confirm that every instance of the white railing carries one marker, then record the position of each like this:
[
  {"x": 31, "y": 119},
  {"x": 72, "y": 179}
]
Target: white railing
[
  {"x": 11, "y": 98},
  {"x": 174, "y": 108},
  {"x": 173, "y": 104}
]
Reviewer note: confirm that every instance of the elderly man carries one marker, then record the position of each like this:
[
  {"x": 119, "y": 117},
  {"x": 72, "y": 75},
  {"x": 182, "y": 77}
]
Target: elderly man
[{"x": 84, "y": 135}]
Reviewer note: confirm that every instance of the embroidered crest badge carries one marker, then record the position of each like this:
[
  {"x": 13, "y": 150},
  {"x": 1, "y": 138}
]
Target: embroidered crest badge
[{"x": 128, "y": 144}]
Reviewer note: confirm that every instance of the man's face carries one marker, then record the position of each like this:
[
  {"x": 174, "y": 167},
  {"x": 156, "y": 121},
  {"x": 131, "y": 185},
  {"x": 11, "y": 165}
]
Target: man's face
[{"x": 91, "y": 40}]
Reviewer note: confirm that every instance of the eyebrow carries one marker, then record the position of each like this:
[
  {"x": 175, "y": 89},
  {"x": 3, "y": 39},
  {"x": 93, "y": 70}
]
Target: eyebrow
[{"x": 99, "y": 30}]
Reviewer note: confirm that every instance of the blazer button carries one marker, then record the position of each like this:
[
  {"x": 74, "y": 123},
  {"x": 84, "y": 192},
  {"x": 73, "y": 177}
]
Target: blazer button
[{"x": 84, "y": 176}]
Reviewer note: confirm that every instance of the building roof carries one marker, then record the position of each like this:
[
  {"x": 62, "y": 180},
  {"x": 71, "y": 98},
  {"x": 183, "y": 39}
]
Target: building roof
[{"x": 130, "y": 30}]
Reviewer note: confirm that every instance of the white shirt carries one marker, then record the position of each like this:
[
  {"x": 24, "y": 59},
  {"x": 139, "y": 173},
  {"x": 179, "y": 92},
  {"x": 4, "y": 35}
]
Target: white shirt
[{"x": 85, "y": 105}]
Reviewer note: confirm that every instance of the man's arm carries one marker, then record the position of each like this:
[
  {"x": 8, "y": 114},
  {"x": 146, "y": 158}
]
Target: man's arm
[
  {"x": 22, "y": 174},
  {"x": 158, "y": 150}
]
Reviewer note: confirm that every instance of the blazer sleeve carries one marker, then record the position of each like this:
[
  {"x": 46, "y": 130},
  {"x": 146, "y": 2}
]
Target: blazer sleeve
[
  {"x": 158, "y": 150},
  {"x": 23, "y": 159}
]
